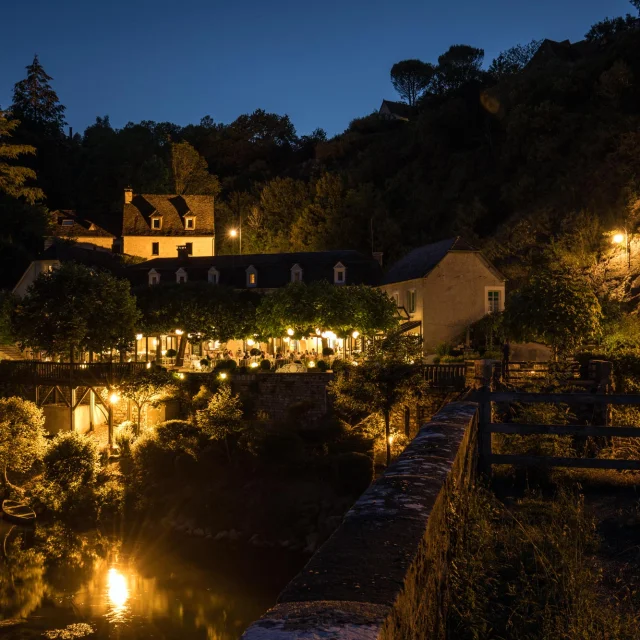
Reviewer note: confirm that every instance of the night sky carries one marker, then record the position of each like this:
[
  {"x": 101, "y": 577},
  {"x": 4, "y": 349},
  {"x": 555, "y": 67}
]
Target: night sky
[{"x": 322, "y": 63}]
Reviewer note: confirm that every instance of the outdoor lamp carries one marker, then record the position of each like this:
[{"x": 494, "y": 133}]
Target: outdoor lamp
[
  {"x": 311, "y": 364},
  {"x": 618, "y": 238},
  {"x": 290, "y": 332},
  {"x": 148, "y": 365},
  {"x": 138, "y": 336},
  {"x": 114, "y": 398},
  {"x": 254, "y": 365},
  {"x": 233, "y": 233},
  {"x": 179, "y": 332},
  {"x": 355, "y": 334},
  {"x": 223, "y": 376},
  {"x": 251, "y": 342}
]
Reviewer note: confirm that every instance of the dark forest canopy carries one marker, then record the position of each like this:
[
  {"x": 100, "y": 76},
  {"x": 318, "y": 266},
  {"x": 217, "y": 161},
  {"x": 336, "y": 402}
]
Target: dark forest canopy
[{"x": 541, "y": 148}]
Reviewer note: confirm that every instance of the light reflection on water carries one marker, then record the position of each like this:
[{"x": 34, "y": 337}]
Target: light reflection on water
[
  {"x": 118, "y": 594},
  {"x": 133, "y": 589}
]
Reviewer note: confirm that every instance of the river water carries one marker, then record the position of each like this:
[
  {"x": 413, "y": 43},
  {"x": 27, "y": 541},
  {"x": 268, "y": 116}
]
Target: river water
[{"x": 58, "y": 584}]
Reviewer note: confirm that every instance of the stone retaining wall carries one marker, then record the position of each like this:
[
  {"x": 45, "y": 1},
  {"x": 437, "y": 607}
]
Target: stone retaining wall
[
  {"x": 382, "y": 574},
  {"x": 274, "y": 393}
]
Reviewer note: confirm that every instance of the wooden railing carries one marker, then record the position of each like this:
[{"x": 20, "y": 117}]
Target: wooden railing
[
  {"x": 98, "y": 373},
  {"x": 446, "y": 375},
  {"x": 487, "y": 427}
]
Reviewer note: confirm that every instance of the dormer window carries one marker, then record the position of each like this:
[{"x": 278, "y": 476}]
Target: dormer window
[
  {"x": 213, "y": 276},
  {"x": 252, "y": 277},
  {"x": 189, "y": 223},
  {"x": 339, "y": 274},
  {"x": 296, "y": 273},
  {"x": 156, "y": 222},
  {"x": 181, "y": 276},
  {"x": 154, "y": 277}
]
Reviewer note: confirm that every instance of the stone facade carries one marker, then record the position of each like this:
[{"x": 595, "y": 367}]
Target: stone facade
[
  {"x": 275, "y": 393},
  {"x": 452, "y": 296},
  {"x": 382, "y": 575},
  {"x": 167, "y": 245}
]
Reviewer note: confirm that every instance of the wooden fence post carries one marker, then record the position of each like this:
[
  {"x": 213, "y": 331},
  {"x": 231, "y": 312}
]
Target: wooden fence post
[{"x": 484, "y": 435}]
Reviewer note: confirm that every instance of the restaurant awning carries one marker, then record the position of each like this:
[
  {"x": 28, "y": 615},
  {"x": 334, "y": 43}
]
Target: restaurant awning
[{"x": 408, "y": 326}]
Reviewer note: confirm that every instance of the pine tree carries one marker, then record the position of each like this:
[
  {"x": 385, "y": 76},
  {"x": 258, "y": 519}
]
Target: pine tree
[
  {"x": 36, "y": 103},
  {"x": 13, "y": 178}
]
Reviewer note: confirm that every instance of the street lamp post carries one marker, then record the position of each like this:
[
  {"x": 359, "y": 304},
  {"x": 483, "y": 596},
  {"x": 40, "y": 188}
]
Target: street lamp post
[
  {"x": 625, "y": 237},
  {"x": 237, "y": 233}
]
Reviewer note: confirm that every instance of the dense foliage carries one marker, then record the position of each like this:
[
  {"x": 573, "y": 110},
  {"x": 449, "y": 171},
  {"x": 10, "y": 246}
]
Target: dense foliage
[{"x": 75, "y": 308}]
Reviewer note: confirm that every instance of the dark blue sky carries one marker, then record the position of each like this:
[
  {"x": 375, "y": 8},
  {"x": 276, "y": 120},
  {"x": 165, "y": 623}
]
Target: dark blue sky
[{"x": 323, "y": 63}]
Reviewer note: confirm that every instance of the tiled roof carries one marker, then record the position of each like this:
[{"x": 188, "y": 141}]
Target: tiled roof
[
  {"x": 136, "y": 216},
  {"x": 69, "y": 224},
  {"x": 70, "y": 252},
  {"x": 398, "y": 109},
  {"x": 419, "y": 262},
  {"x": 273, "y": 270}
]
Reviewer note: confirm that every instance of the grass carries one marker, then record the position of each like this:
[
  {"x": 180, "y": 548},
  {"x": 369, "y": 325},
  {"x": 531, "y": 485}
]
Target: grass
[{"x": 540, "y": 567}]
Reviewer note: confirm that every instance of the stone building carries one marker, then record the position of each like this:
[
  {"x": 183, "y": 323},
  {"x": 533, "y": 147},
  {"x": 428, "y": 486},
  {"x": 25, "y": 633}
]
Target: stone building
[
  {"x": 86, "y": 232},
  {"x": 155, "y": 225},
  {"x": 442, "y": 288}
]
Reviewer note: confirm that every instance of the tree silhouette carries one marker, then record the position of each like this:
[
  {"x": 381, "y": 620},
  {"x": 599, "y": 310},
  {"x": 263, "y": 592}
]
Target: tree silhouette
[
  {"x": 35, "y": 102},
  {"x": 411, "y": 78}
]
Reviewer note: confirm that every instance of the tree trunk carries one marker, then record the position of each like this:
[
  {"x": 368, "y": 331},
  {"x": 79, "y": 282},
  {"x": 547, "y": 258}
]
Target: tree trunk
[
  {"x": 387, "y": 435},
  {"x": 159, "y": 349},
  {"x": 139, "y": 420},
  {"x": 182, "y": 347}
]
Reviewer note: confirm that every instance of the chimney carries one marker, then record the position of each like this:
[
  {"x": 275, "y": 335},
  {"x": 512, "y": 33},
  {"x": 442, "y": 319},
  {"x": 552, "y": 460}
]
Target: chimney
[
  {"x": 128, "y": 195},
  {"x": 377, "y": 256},
  {"x": 183, "y": 252}
]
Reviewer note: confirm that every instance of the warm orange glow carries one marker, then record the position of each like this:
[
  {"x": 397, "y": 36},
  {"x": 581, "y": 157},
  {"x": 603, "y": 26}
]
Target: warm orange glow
[
  {"x": 290, "y": 332},
  {"x": 233, "y": 232},
  {"x": 114, "y": 398},
  {"x": 223, "y": 376},
  {"x": 117, "y": 590},
  {"x": 618, "y": 238}
]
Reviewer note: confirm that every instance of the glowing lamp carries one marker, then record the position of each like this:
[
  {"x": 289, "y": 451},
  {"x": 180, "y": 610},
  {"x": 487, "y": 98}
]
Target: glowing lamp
[
  {"x": 390, "y": 439},
  {"x": 251, "y": 342},
  {"x": 223, "y": 376},
  {"x": 179, "y": 332},
  {"x": 254, "y": 365},
  {"x": 233, "y": 232},
  {"x": 181, "y": 376},
  {"x": 148, "y": 365},
  {"x": 618, "y": 238},
  {"x": 114, "y": 398},
  {"x": 290, "y": 332},
  {"x": 311, "y": 364},
  {"x": 355, "y": 334},
  {"x": 286, "y": 339},
  {"x": 138, "y": 336}
]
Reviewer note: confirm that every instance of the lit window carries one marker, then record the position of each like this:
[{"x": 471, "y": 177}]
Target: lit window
[
  {"x": 411, "y": 301},
  {"x": 252, "y": 276},
  {"x": 155, "y": 248},
  {"x": 493, "y": 301}
]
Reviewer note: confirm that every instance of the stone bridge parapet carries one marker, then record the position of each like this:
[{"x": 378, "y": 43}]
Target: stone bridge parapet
[{"x": 382, "y": 574}]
